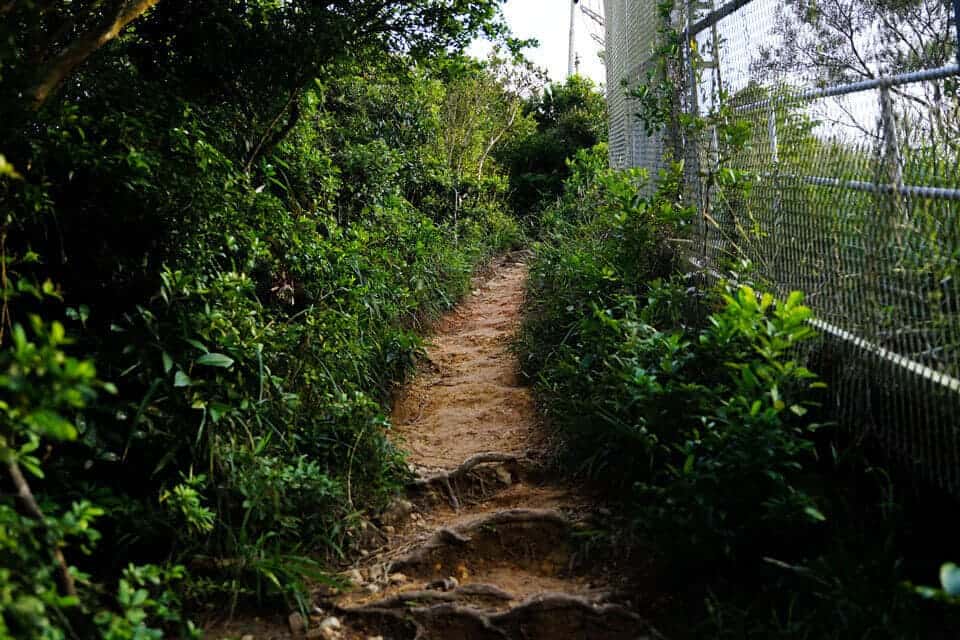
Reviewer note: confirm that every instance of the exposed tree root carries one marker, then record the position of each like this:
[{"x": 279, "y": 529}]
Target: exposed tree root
[
  {"x": 448, "y": 541},
  {"x": 564, "y": 615},
  {"x": 445, "y": 479},
  {"x": 468, "y": 464},
  {"x": 449, "y": 536},
  {"x": 511, "y": 516},
  {"x": 549, "y": 615},
  {"x": 468, "y": 592}
]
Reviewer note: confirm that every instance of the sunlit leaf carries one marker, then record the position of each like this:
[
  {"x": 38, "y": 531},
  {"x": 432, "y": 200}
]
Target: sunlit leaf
[
  {"x": 215, "y": 360},
  {"x": 950, "y": 579}
]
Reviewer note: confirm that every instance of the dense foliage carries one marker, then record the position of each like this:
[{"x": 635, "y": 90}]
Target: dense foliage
[
  {"x": 569, "y": 116},
  {"x": 241, "y": 212},
  {"x": 223, "y": 222},
  {"x": 661, "y": 401},
  {"x": 688, "y": 403}
]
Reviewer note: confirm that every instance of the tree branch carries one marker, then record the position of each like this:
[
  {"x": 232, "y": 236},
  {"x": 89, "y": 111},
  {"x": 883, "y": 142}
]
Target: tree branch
[
  {"x": 86, "y": 45},
  {"x": 29, "y": 504},
  {"x": 293, "y": 101},
  {"x": 496, "y": 139}
]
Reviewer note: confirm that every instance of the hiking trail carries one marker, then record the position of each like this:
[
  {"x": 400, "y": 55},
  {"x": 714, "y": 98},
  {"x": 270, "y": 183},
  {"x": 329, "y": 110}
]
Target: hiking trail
[{"x": 487, "y": 543}]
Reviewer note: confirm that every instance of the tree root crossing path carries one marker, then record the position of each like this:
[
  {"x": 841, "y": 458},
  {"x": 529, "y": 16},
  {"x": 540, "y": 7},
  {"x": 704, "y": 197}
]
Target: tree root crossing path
[{"x": 487, "y": 543}]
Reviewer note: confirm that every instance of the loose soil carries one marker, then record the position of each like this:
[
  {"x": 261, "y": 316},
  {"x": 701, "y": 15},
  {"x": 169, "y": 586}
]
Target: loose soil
[{"x": 488, "y": 543}]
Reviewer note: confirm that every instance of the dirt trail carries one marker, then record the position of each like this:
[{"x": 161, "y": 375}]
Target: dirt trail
[
  {"x": 466, "y": 398},
  {"x": 488, "y": 544}
]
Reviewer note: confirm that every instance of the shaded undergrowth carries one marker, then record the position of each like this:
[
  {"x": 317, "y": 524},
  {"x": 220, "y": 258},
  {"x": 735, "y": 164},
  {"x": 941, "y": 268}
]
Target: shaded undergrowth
[{"x": 691, "y": 405}]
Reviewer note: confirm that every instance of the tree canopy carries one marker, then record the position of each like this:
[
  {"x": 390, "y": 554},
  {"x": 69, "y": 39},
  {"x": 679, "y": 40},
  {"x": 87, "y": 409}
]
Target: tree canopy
[
  {"x": 569, "y": 116},
  {"x": 222, "y": 223}
]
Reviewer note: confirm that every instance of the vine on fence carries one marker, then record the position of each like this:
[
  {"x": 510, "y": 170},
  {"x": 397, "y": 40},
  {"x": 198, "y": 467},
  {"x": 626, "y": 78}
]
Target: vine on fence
[{"x": 665, "y": 106}]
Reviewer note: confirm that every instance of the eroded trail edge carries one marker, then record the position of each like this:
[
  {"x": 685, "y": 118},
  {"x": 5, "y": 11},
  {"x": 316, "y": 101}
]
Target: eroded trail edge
[{"x": 486, "y": 544}]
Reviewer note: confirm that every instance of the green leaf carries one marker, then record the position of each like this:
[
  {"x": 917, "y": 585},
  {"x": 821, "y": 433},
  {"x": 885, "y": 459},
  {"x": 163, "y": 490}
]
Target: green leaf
[
  {"x": 197, "y": 344},
  {"x": 182, "y": 380},
  {"x": 51, "y": 424},
  {"x": 815, "y": 514},
  {"x": 950, "y": 579},
  {"x": 217, "y": 411},
  {"x": 794, "y": 299},
  {"x": 215, "y": 360},
  {"x": 271, "y": 576},
  {"x": 32, "y": 466},
  {"x": 167, "y": 362},
  {"x": 82, "y": 313},
  {"x": 927, "y": 592},
  {"x": 7, "y": 169}
]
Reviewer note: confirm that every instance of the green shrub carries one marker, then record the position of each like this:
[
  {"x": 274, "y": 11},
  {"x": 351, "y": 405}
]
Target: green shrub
[
  {"x": 691, "y": 407},
  {"x": 255, "y": 310},
  {"x": 569, "y": 117}
]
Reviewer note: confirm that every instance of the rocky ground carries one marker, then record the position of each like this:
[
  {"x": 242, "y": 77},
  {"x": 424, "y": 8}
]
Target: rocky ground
[{"x": 487, "y": 544}]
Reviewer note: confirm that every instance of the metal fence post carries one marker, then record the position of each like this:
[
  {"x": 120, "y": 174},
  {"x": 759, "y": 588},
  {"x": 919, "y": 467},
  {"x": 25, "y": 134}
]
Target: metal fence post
[
  {"x": 692, "y": 160},
  {"x": 956, "y": 24},
  {"x": 775, "y": 181},
  {"x": 772, "y": 132},
  {"x": 890, "y": 139},
  {"x": 892, "y": 162}
]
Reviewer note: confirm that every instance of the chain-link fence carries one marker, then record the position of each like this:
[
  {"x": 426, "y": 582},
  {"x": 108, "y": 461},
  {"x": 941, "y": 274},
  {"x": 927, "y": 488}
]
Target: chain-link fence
[
  {"x": 631, "y": 30},
  {"x": 849, "y": 184}
]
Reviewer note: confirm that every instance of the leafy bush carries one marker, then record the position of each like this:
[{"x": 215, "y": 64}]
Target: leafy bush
[
  {"x": 677, "y": 413},
  {"x": 569, "y": 117},
  {"x": 690, "y": 406},
  {"x": 247, "y": 248}
]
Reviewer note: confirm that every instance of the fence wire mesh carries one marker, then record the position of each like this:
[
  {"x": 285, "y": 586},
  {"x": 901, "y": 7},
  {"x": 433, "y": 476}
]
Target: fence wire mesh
[
  {"x": 853, "y": 167},
  {"x": 631, "y": 31}
]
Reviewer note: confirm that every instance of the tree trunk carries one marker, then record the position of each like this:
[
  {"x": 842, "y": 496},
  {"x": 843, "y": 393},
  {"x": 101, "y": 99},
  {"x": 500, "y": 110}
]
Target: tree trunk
[
  {"x": 32, "y": 509},
  {"x": 496, "y": 139},
  {"x": 270, "y": 140},
  {"x": 76, "y": 53}
]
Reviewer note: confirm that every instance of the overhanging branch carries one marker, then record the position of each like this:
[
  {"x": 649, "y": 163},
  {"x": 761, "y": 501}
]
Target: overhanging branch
[
  {"x": 32, "y": 509},
  {"x": 86, "y": 45}
]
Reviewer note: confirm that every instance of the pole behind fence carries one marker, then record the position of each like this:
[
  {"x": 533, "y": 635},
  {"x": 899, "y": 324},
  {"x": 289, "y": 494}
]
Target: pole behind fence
[{"x": 956, "y": 25}]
